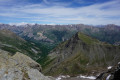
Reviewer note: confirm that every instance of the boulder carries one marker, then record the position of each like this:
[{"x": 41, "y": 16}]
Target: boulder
[{"x": 20, "y": 67}]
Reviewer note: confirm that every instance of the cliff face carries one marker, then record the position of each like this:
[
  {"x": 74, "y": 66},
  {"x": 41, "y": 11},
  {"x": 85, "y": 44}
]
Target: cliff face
[
  {"x": 82, "y": 55},
  {"x": 19, "y": 67}
]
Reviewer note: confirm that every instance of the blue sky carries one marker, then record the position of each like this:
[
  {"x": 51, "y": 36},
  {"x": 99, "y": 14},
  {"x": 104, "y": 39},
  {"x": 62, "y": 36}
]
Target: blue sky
[{"x": 93, "y": 12}]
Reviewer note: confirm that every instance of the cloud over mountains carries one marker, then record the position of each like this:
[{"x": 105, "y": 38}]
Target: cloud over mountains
[{"x": 60, "y": 12}]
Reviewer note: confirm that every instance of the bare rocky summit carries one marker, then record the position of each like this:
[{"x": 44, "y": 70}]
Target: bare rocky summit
[{"x": 19, "y": 67}]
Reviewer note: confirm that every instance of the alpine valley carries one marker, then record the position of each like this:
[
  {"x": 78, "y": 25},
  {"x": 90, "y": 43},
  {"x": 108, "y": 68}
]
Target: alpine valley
[{"x": 65, "y": 52}]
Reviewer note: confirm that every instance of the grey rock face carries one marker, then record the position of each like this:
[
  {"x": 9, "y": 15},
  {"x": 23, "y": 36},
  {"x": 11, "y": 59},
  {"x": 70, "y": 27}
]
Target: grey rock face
[
  {"x": 19, "y": 67},
  {"x": 110, "y": 74}
]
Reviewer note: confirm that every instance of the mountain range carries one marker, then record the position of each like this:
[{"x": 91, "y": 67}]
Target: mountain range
[
  {"x": 57, "y": 33},
  {"x": 64, "y": 49}
]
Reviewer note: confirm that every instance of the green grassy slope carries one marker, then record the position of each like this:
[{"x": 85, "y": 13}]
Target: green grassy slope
[
  {"x": 82, "y": 55},
  {"x": 12, "y": 43}
]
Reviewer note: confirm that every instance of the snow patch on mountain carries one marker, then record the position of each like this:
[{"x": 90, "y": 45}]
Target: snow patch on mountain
[
  {"x": 21, "y": 24},
  {"x": 87, "y": 77}
]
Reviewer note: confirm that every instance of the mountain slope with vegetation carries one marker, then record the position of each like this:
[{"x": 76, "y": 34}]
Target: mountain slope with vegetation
[
  {"x": 12, "y": 43},
  {"x": 82, "y": 54}
]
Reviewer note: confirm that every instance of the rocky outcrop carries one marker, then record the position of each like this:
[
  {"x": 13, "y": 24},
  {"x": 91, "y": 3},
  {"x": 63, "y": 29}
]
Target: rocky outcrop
[
  {"x": 111, "y": 74},
  {"x": 19, "y": 67}
]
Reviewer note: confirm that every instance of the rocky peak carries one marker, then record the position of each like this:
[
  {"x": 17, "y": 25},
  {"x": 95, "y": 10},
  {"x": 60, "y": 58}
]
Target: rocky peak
[
  {"x": 76, "y": 36},
  {"x": 83, "y": 54},
  {"x": 83, "y": 38}
]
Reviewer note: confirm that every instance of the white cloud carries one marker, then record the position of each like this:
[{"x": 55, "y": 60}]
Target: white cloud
[
  {"x": 94, "y": 14},
  {"x": 22, "y": 23},
  {"x": 46, "y": 2}
]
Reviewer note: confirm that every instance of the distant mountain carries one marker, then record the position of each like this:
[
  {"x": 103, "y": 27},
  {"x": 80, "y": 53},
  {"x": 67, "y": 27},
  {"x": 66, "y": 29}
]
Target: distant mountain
[
  {"x": 54, "y": 34},
  {"x": 81, "y": 54},
  {"x": 109, "y": 33},
  {"x": 12, "y": 43}
]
